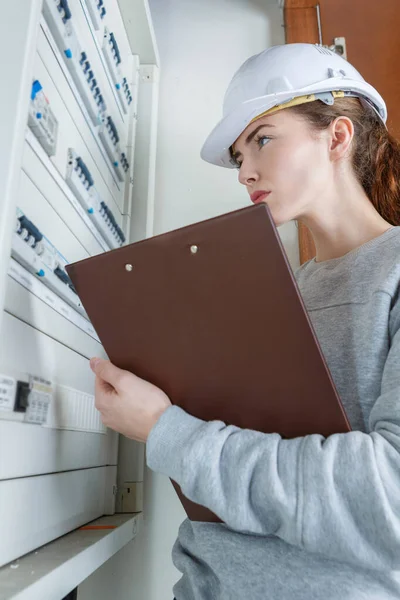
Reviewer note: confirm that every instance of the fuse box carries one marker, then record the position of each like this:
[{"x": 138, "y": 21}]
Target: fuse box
[
  {"x": 98, "y": 11},
  {"x": 81, "y": 183},
  {"x": 74, "y": 121},
  {"x": 38, "y": 255},
  {"x": 41, "y": 119}
]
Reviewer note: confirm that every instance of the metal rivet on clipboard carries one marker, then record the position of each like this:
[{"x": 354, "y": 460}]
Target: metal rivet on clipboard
[
  {"x": 194, "y": 249},
  {"x": 128, "y": 267}
]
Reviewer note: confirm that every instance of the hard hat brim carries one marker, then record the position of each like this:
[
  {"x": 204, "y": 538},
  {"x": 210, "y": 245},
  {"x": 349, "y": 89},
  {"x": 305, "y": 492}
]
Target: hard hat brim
[{"x": 216, "y": 147}]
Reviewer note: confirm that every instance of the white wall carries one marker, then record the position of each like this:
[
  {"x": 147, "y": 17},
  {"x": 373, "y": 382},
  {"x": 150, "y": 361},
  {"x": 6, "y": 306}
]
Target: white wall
[{"x": 201, "y": 43}]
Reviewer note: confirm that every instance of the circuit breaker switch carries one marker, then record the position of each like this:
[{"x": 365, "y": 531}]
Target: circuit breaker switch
[{"x": 22, "y": 396}]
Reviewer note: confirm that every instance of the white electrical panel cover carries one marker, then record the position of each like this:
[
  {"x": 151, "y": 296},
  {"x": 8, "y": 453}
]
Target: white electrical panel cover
[{"x": 72, "y": 197}]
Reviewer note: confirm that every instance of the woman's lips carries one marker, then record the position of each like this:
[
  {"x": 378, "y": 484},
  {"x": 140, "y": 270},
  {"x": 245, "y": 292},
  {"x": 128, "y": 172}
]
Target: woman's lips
[{"x": 259, "y": 196}]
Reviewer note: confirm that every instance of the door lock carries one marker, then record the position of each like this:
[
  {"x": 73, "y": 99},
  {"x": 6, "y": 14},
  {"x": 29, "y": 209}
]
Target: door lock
[{"x": 339, "y": 46}]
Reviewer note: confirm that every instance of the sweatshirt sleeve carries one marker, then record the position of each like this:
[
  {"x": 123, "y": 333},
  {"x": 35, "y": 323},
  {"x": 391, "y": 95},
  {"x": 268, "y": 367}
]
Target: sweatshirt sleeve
[{"x": 339, "y": 496}]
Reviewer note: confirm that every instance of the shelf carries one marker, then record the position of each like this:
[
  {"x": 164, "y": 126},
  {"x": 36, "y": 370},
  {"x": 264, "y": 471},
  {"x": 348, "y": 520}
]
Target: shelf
[{"x": 52, "y": 571}]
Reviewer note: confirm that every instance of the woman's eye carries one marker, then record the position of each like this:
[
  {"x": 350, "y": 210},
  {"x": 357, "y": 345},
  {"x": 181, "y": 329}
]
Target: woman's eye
[{"x": 263, "y": 140}]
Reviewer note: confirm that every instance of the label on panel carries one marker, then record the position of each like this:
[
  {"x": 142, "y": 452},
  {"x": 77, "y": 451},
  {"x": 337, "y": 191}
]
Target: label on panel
[
  {"x": 7, "y": 392},
  {"x": 40, "y": 396}
]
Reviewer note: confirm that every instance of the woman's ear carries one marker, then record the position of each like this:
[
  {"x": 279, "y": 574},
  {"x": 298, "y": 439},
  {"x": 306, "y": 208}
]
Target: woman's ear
[{"x": 341, "y": 134}]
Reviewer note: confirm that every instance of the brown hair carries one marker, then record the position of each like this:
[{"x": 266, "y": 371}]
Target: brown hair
[{"x": 376, "y": 153}]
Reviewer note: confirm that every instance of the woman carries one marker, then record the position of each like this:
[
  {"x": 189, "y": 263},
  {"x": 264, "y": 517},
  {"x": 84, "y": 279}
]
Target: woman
[{"x": 306, "y": 518}]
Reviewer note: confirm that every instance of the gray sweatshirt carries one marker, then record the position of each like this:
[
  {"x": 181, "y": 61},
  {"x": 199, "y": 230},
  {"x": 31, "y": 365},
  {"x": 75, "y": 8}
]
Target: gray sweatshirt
[{"x": 311, "y": 517}]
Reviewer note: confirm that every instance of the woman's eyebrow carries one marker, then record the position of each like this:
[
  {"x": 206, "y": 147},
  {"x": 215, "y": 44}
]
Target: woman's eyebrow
[{"x": 251, "y": 135}]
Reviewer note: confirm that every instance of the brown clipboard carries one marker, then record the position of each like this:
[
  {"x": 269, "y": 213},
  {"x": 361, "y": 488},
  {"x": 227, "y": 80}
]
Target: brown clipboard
[{"x": 211, "y": 314}]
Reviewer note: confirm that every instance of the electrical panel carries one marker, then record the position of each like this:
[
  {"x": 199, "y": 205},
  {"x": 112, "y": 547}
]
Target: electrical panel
[
  {"x": 109, "y": 135},
  {"x": 58, "y": 15},
  {"x": 86, "y": 82},
  {"x": 115, "y": 64},
  {"x": 81, "y": 183},
  {"x": 38, "y": 255},
  {"x": 41, "y": 119},
  {"x": 59, "y": 19},
  {"x": 31, "y": 399},
  {"x": 8, "y": 388},
  {"x": 98, "y": 11},
  {"x": 73, "y": 193}
]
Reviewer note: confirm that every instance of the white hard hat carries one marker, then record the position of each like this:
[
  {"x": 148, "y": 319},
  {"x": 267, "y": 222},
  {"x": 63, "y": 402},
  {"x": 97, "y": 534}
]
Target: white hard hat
[{"x": 277, "y": 76}]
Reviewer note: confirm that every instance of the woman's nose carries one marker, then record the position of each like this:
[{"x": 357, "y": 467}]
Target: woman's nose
[{"x": 247, "y": 174}]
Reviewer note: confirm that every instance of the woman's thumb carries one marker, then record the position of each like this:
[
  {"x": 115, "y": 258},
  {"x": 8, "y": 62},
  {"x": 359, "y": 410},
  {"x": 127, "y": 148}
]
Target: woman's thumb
[
  {"x": 93, "y": 363},
  {"x": 105, "y": 370}
]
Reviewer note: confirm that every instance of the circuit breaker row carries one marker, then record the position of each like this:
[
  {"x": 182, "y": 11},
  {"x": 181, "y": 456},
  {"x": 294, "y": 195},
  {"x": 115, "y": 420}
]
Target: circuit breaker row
[
  {"x": 44, "y": 126},
  {"x": 36, "y": 262},
  {"x": 32, "y": 250},
  {"x": 60, "y": 21},
  {"x": 38, "y": 255},
  {"x": 40, "y": 402},
  {"x": 44, "y": 123}
]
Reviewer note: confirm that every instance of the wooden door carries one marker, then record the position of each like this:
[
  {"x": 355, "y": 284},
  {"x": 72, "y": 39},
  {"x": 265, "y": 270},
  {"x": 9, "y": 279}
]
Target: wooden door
[{"x": 371, "y": 30}]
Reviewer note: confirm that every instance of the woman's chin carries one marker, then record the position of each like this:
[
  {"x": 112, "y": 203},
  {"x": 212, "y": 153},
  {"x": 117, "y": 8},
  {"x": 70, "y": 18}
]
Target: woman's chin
[{"x": 279, "y": 216}]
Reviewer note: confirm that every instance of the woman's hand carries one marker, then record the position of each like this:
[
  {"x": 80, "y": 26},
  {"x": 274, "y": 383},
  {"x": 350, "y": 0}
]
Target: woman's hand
[{"x": 127, "y": 403}]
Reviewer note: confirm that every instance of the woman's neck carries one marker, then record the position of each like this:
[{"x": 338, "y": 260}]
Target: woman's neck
[{"x": 345, "y": 223}]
